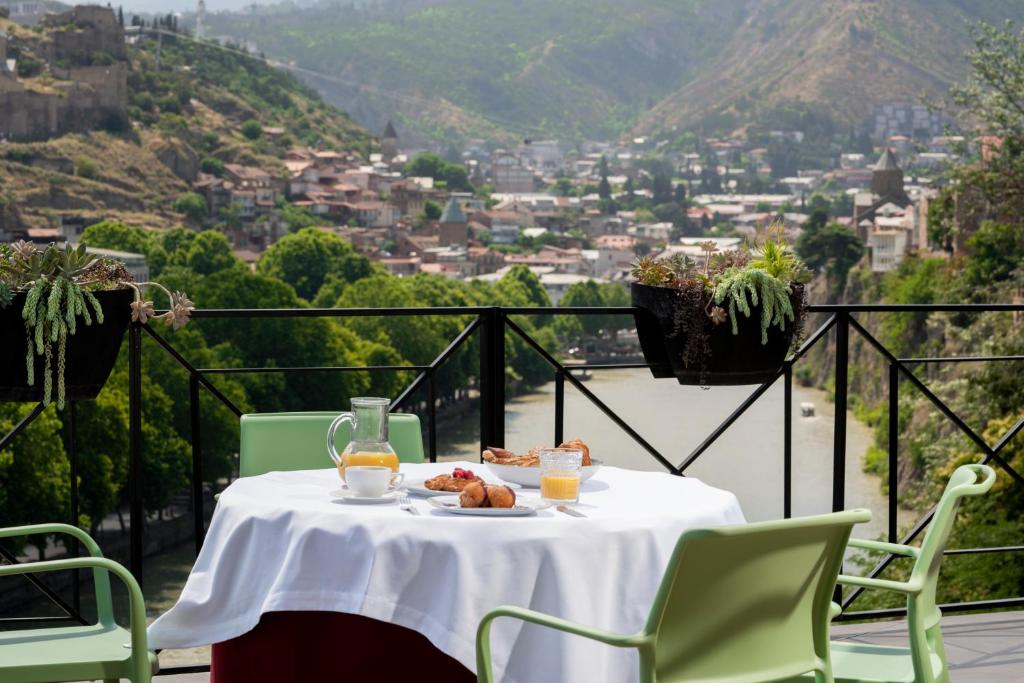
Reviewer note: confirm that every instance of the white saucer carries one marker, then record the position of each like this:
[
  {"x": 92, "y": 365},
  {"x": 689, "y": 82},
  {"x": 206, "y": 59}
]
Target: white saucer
[{"x": 349, "y": 497}]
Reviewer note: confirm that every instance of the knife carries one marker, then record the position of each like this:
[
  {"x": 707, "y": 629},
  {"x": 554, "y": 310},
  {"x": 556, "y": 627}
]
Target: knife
[{"x": 569, "y": 511}]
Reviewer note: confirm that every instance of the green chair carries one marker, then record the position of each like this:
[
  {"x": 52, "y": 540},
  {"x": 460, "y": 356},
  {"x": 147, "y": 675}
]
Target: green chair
[
  {"x": 737, "y": 604},
  {"x": 103, "y": 650},
  {"x": 297, "y": 441},
  {"x": 925, "y": 660}
]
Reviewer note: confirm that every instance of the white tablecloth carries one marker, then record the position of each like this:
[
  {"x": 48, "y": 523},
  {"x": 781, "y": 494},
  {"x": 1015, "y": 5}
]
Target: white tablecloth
[{"x": 279, "y": 542}]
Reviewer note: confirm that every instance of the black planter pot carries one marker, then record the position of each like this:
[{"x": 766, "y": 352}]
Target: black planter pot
[
  {"x": 91, "y": 352},
  {"x": 735, "y": 358}
]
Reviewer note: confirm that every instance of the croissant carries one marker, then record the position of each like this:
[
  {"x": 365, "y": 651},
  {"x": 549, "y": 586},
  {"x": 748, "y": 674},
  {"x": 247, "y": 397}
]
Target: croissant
[
  {"x": 578, "y": 443},
  {"x": 500, "y": 497},
  {"x": 473, "y": 496}
]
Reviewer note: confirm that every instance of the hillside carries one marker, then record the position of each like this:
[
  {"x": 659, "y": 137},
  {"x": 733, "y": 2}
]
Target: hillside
[
  {"x": 839, "y": 56},
  {"x": 597, "y": 69},
  {"x": 493, "y": 68},
  {"x": 185, "y": 115}
]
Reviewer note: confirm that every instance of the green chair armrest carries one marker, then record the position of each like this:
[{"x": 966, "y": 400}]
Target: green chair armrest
[
  {"x": 483, "y": 645},
  {"x": 101, "y": 584},
  {"x": 136, "y": 604},
  {"x": 894, "y": 548},
  {"x": 909, "y": 587},
  {"x": 834, "y": 610},
  {"x": 28, "y": 530}
]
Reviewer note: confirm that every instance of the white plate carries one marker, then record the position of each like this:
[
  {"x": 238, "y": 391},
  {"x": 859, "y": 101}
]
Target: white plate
[
  {"x": 523, "y": 507},
  {"x": 349, "y": 497},
  {"x": 530, "y": 476},
  {"x": 416, "y": 487}
]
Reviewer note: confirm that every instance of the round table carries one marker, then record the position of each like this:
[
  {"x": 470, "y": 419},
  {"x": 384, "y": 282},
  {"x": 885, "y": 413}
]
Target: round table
[{"x": 280, "y": 542}]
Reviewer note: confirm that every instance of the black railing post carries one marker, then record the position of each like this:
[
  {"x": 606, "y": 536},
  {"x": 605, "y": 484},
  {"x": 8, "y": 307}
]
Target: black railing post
[
  {"x": 136, "y": 511},
  {"x": 894, "y": 445},
  {"x": 195, "y": 425},
  {"x": 76, "y": 593},
  {"x": 492, "y": 379},
  {"x": 839, "y": 432},
  {"x": 787, "y": 441},
  {"x": 432, "y": 416},
  {"x": 559, "y": 407}
]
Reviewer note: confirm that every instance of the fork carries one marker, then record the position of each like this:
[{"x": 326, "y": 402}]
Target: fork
[{"x": 405, "y": 503}]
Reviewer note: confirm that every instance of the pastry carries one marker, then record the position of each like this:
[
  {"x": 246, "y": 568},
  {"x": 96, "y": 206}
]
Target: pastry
[
  {"x": 473, "y": 496},
  {"x": 502, "y": 456},
  {"x": 455, "y": 482},
  {"x": 479, "y": 495},
  {"x": 500, "y": 497}
]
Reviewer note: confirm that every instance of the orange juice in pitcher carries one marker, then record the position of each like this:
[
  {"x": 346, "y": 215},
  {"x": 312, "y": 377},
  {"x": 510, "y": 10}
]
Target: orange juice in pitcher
[{"x": 369, "y": 436}]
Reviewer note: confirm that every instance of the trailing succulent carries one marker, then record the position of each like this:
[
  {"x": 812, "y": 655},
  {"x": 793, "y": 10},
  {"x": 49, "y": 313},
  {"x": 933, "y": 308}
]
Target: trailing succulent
[
  {"x": 58, "y": 285},
  {"x": 728, "y": 285}
]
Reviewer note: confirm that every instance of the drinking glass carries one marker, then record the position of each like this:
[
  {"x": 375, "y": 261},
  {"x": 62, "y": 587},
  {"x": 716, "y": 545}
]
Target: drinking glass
[{"x": 560, "y": 474}]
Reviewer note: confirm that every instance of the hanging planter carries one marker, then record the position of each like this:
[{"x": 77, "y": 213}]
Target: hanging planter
[
  {"x": 731, "y": 321},
  {"x": 89, "y": 354},
  {"x": 62, "y": 318}
]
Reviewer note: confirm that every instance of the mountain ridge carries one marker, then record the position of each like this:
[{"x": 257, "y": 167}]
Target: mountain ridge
[{"x": 600, "y": 69}]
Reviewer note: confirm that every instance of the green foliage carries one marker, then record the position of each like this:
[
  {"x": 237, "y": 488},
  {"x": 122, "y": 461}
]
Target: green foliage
[
  {"x": 997, "y": 252},
  {"x": 117, "y": 235},
  {"x": 298, "y": 217},
  {"x": 428, "y": 164},
  {"x": 192, "y": 206},
  {"x": 829, "y": 246},
  {"x": 305, "y": 258},
  {"x": 252, "y": 129},
  {"x": 34, "y": 482},
  {"x": 86, "y": 168},
  {"x": 594, "y": 294},
  {"x": 210, "y": 252},
  {"x": 431, "y": 210}
]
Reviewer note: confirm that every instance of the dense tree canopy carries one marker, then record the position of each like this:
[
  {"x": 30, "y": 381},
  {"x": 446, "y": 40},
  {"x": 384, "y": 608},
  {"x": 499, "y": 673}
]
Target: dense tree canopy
[
  {"x": 305, "y": 259},
  {"x": 430, "y": 165}
]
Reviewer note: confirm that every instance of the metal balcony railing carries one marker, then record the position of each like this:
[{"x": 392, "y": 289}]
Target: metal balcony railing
[{"x": 492, "y": 326}]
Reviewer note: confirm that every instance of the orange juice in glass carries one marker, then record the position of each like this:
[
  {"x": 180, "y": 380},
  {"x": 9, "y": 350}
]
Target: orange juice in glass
[{"x": 560, "y": 474}]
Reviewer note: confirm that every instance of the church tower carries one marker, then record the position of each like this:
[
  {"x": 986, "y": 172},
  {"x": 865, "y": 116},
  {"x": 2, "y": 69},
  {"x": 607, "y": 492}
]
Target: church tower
[
  {"x": 887, "y": 179},
  {"x": 454, "y": 226},
  {"x": 389, "y": 143}
]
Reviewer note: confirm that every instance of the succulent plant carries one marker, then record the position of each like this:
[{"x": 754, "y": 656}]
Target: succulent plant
[
  {"x": 727, "y": 285},
  {"x": 58, "y": 285}
]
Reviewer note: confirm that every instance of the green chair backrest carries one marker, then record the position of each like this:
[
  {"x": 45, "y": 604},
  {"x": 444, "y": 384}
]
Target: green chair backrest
[
  {"x": 967, "y": 480},
  {"x": 749, "y": 603},
  {"x": 298, "y": 441}
]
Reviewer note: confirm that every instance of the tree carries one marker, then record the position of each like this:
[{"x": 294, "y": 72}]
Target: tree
[
  {"x": 427, "y": 164},
  {"x": 252, "y": 129},
  {"x": 563, "y": 187},
  {"x": 210, "y": 252},
  {"x": 830, "y": 246},
  {"x": 305, "y": 258},
  {"x": 431, "y": 210},
  {"x": 298, "y": 217},
  {"x": 192, "y": 206},
  {"x": 604, "y": 188},
  {"x": 34, "y": 481},
  {"x": 996, "y": 251},
  {"x": 117, "y": 235}
]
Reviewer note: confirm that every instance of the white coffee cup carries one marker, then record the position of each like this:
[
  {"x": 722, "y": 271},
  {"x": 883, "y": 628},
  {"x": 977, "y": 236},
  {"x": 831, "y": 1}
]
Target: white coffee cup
[{"x": 369, "y": 481}]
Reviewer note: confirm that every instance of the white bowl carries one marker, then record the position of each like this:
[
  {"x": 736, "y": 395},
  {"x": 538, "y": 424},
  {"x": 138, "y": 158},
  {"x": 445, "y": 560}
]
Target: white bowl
[{"x": 530, "y": 476}]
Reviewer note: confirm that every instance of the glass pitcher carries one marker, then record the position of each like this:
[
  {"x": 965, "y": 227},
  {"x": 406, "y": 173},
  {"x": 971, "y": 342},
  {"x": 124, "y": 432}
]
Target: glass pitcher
[{"x": 369, "y": 444}]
